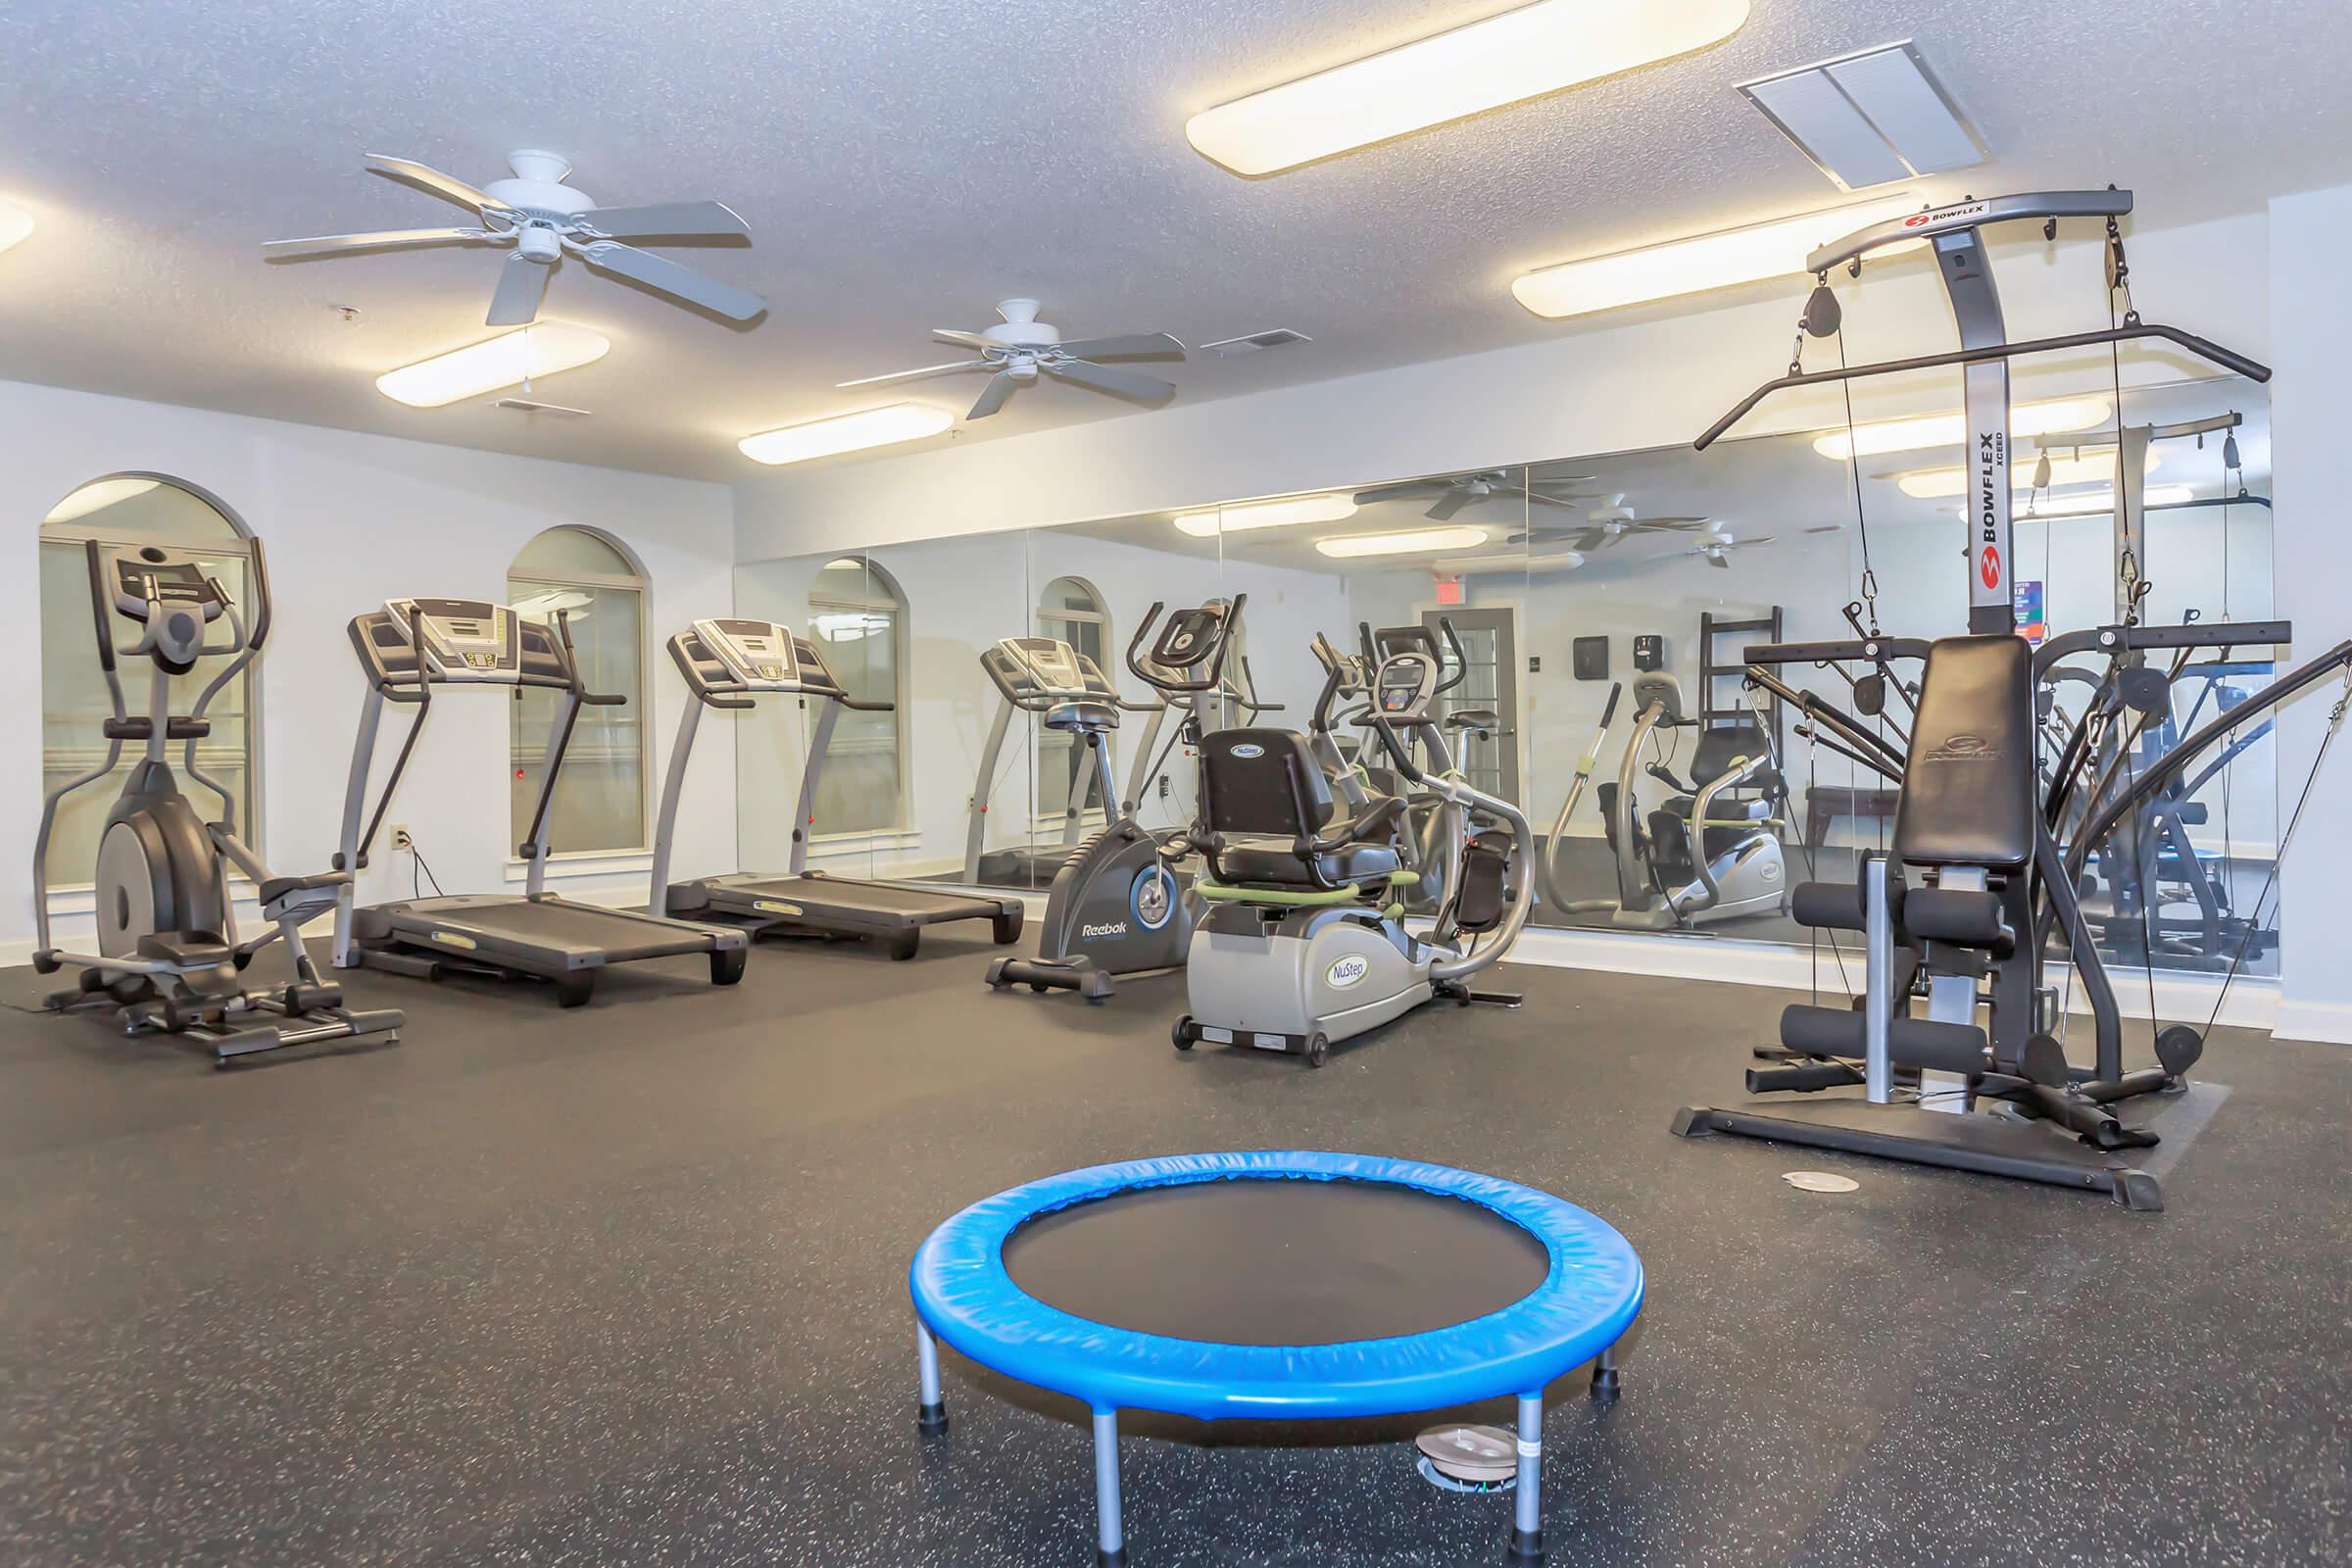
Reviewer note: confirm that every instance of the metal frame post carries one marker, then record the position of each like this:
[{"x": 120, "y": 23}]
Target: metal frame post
[
  {"x": 1111, "y": 1540},
  {"x": 931, "y": 1414},
  {"x": 1527, "y": 1529},
  {"x": 1877, "y": 1018},
  {"x": 813, "y": 767}
]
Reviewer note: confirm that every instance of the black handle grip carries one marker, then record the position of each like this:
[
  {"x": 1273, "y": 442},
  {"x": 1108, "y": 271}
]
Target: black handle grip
[
  {"x": 1608, "y": 710},
  {"x": 261, "y": 598},
  {"x": 1402, "y": 753},
  {"x": 853, "y": 704},
  {"x": 102, "y": 603}
]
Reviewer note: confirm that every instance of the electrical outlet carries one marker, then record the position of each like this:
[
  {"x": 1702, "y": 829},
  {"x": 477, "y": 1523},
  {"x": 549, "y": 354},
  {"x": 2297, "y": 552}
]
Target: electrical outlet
[{"x": 400, "y": 837}]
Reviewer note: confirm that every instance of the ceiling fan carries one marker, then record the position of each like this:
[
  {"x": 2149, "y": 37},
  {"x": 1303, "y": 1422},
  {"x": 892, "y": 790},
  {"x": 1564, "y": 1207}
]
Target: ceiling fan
[
  {"x": 1717, "y": 543},
  {"x": 542, "y": 219},
  {"x": 1606, "y": 527},
  {"x": 1460, "y": 490},
  {"x": 1020, "y": 346}
]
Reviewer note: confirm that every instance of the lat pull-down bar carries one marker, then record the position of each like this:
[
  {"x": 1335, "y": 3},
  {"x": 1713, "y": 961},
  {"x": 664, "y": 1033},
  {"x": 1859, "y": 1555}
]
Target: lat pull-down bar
[{"x": 1956, "y": 236}]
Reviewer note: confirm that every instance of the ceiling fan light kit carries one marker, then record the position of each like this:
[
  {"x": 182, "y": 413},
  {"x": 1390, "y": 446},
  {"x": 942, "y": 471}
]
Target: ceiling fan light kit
[
  {"x": 1526, "y": 52},
  {"x": 511, "y": 359},
  {"x": 882, "y": 427},
  {"x": 1019, "y": 347}
]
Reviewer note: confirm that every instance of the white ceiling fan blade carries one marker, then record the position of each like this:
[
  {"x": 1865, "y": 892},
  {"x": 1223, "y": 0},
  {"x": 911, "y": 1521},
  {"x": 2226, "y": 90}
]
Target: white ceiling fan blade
[
  {"x": 1451, "y": 501},
  {"x": 1545, "y": 480},
  {"x": 701, "y": 219},
  {"x": 1121, "y": 383},
  {"x": 991, "y": 396},
  {"x": 1541, "y": 500},
  {"x": 522, "y": 285},
  {"x": 361, "y": 242},
  {"x": 970, "y": 340},
  {"x": 679, "y": 282},
  {"x": 909, "y": 375},
  {"x": 446, "y": 186},
  {"x": 1131, "y": 346}
]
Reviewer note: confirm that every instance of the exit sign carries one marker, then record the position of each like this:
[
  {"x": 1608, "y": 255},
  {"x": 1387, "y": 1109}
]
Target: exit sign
[{"x": 1450, "y": 590}]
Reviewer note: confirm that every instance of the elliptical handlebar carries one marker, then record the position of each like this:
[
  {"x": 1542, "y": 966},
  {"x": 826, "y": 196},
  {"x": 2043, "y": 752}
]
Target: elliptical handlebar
[{"x": 1168, "y": 659}]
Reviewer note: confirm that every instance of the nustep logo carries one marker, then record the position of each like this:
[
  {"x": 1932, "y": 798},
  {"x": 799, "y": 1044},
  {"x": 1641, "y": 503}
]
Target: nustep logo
[{"x": 1346, "y": 971}]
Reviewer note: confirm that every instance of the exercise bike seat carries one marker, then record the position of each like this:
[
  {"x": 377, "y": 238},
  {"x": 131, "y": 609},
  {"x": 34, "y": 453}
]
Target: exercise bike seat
[
  {"x": 1275, "y": 865},
  {"x": 1080, "y": 717}
]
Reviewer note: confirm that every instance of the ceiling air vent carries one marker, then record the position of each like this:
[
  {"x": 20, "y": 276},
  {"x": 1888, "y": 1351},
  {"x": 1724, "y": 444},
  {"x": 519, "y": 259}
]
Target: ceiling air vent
[
  {"x": 1871, "y": 118},
  {"x": 1227, "y": 348}
]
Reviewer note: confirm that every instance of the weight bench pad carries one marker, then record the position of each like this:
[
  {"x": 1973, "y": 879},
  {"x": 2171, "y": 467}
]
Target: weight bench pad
[{"x": 1969, "y": 794}]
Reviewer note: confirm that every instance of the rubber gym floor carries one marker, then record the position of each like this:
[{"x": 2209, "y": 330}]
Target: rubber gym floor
[{"x": 627, "y": 1285}]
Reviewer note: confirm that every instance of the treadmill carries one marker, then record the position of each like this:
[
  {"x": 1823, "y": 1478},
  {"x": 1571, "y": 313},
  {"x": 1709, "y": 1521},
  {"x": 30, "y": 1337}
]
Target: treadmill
[
  {"x": 728, "y": 664},
  {"x": 409, "y": 650},
  {"x": 1035, "y": 676}
]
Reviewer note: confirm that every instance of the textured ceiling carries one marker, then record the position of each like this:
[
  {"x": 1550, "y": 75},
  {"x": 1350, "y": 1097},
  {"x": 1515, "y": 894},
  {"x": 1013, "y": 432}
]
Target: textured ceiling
[{"x": 905, "y": 165}]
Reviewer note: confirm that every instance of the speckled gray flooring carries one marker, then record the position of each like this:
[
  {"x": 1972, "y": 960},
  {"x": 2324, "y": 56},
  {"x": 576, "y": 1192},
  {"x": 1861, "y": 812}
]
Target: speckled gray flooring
[{"x": 626, "y": 1287}]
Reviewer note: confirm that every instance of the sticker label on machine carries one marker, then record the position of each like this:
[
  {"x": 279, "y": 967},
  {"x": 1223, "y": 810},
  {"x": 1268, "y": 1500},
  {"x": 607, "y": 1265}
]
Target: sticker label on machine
[
  {"x": 1270, "y": 1042},
  {"x": 774, "y": 906},
  {"x": 450, "y": 939},
  {"x": 1346, "y": 971}
]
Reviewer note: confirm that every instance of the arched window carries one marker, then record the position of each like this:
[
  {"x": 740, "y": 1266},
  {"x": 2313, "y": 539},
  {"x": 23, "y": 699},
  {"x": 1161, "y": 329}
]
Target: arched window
[
  {"x": 1070, "y": 611},
  {"x": 857, "y": 617},
  {"x": 600, "y": 804},
  {"x": 132, "y": 509}
]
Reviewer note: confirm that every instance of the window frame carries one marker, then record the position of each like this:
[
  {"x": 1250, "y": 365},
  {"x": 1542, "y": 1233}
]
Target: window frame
[
  {"x": 892, "y": 601},
  {"x": 77, "y": 897},
  {"x": 640, "y": 583}
]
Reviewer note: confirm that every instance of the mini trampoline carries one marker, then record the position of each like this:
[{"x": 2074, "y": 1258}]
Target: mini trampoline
[{"x": 1282, "y": 1285}]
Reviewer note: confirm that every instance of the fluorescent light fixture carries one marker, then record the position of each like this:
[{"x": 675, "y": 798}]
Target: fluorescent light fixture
[
  {"x": 528, "y": 354},
  {"x": 97, "y": 496},
  {"x": 1927, "y": 430},
  {"x": 15, "y": 223},
  {"x": 1350, "y": 547},
  {"x": 1521, "y": 54},
  {"x": 2090, "y": 467},
  {"x": 1777, "y": 249},
  {"x": 847, "y": 432},
  {"x": 1330, "y": 507},
  {"x": 1868, "y": 118},
  {"x": 2102, "y": 501}
]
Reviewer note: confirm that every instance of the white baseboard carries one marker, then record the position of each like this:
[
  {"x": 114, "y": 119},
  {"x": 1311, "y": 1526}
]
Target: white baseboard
[
  {"x": 2253, "y": 1003},
  {"x": 2328, "y": 1022}
]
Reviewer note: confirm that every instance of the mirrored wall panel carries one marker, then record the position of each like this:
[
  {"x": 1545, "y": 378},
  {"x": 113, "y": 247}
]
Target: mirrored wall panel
[{"x": 1592, "y": 616}]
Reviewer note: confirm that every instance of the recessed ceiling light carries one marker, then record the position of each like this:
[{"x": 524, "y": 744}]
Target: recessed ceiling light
[
  {"x": 98, "y": 497},
  {"x": 2090, "y": 467},
  {"x": 1926, "y": 430},
  {"x": 884, "y": 426},
  {"x": 1521, "y": 54},
  {"x": 2098, "y": 500},
  {"x": 1349, "y": 547},
  {"x": 1277, "y": 513},
  {"x": 512, "y": 357},
  {"x": 1777, "y": 249},
  {"x": 15, "y": 223}
]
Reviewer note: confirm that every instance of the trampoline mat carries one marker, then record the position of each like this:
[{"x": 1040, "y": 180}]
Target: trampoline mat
[{"x": 1276, "y": 1261}]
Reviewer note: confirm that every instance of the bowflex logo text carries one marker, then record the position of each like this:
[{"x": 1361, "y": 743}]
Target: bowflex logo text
[{"x": 1993, "y": 472}]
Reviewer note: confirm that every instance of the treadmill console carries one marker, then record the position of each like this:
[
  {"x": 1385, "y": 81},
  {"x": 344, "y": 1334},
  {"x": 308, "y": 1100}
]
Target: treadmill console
[
  {"x": 1038, "y": 672},
  {"x": 458, "y": 641},
  {"x": 759, "y": 654},
  {"x": 145, "y": 578}
]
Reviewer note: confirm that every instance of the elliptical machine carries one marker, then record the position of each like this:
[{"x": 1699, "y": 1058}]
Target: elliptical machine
[
  {"x": 1711, "y": 850},
  {"x": 1305, "y": 941},
  {"x": 1118, "y": 905},
  {"x": 168, "y": 956}
]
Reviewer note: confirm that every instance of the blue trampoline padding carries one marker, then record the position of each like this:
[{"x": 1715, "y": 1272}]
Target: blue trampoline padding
[{"x": 1588, "y": 1299}]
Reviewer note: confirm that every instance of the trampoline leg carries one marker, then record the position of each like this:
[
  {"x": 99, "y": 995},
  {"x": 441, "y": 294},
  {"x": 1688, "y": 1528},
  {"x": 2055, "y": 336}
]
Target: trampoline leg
[
  {"x": 1527, "y": 1533},
  {"x": 931, "y": 1418},
  {"x": 1112, "y": 1540},
  {"x": 1606, "y": 1384}
]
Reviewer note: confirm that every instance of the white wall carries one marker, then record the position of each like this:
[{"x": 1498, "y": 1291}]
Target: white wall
[
  {"x": 2311, "y": 416},
  {"x": 350, "y": 521}
]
